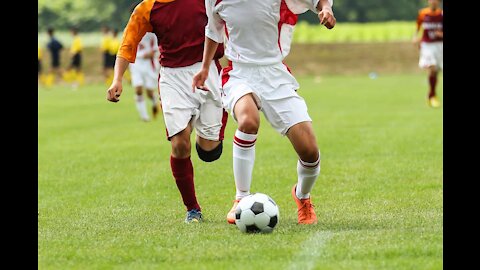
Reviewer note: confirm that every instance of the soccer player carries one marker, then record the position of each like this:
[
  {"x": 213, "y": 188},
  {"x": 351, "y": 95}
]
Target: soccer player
[
  {"x": 74, "y": 71},
  {"x": 256, "y": 79},
  {"x": 113, "y": 47},
  {"x": 144, "y": 74},
  {"x": 39, "y": 61},
  {"x": 180, "y": 30},
  {"x": 104, "y": 49},
  {"x": 431, "y": 45},
  {"x": 55, "y": 47}
]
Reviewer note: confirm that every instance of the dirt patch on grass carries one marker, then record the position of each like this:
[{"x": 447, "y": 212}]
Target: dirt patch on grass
[
  {"x": 353, "y": 58},
  {"x": 308, "y": 59}
]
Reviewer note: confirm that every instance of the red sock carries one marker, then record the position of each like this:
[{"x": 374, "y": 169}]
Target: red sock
[
  {"x": 182, "y": 170},
  {"x": 433, "y": 83}
]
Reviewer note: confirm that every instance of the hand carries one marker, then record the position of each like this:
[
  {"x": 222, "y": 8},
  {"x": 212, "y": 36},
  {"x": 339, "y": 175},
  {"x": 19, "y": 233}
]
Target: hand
[
  {"x": 439, "y": 33},
  {"x": 416, "y": 41},
  {"x": 326, "y": 17},
  {"x": 199, "y": 80},
  {"x": 114, "y": 92}
]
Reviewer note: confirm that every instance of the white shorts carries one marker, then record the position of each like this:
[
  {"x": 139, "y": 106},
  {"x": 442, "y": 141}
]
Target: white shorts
[
  {"x": 144, "y": 73},
  {"x": 431, "y": 54},
  {"x": 274, "y": 90},
  {"x": 180, "y": 105}
]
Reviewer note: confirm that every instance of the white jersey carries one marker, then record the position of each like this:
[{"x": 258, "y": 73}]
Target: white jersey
[
  {"x": 249, "y": 29},
  {"x": 144, "y": 72},
  {"x": 148, "y": 44}
]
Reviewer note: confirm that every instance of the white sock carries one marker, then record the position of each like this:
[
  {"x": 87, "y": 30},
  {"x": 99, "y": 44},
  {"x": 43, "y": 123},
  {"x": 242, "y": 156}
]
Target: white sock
[
  {"x": 243, "y": 161},
  {"x": 307, "y": 175},
  {"x": 140, "y": 103}
]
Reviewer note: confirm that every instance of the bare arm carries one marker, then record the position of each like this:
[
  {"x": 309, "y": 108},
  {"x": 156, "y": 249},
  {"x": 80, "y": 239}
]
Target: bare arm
[
  {"x": 137, "y": 26},
  {"x": 116, "y": 88},
  {"x": 208, "y": 53},
  {"x": 325, "y": 14}
]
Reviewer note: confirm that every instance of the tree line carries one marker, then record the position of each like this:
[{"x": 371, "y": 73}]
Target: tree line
[{"x": 90, "y": 15}]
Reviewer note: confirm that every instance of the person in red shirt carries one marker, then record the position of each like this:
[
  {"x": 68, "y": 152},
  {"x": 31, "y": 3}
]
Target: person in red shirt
[
  {"x": 430, "y": 19},
  {"x": 179, "y": 27}
]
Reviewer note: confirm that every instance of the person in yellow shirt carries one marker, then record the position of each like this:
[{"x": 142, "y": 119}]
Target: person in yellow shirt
[
  {"x": 74, "y": 72},
  {"x": 114, "y": 44},
  {"x": 39, "y": 61},
  {"x": 105, "y": 50}
]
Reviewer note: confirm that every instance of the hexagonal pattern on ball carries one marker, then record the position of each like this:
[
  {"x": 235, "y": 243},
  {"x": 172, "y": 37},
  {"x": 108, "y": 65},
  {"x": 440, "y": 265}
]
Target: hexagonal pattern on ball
[
  {"x": 247, "y": 217},
  {"x": 257, "y": 208},
  {"x": 241, "y": 226},
  {"x": 270, "y": 209},
  {"x": 246, "y": 202},
  {"x": 262, "y": 220},
  {"x": 260, "y": 197}
]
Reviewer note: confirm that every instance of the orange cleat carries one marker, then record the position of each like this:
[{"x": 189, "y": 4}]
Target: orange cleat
[
  {"x": 306, "y": 213},
  {"x": 231, "y": 213}
]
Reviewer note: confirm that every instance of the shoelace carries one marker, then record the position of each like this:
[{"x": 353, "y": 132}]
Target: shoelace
[{"x": 308, "y": 204}]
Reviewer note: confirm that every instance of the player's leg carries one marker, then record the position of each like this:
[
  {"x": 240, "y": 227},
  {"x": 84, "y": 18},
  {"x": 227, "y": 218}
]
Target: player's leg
[
  {"x": 304, "y": 142},
  {"x": 153, "y": 99},
  {"x": 106, "y": 67},
  {"x": 432, "y": 80},
  {"x": 287, "y": 112},
  {"x": 210, "y": 128},
  {"x": 182, "y": 170},
  {"x": 248, "y": 120},
  {"x": 428, "y": 61},
  {"x": 138, "y": 83},
  {"x": 178, "y": 111},
  {"x": 241, "y": 101},
  {"x": 80, "y": 78},
  {"x": 151, "y": 83},
  {"x": 140, "y": 103}
]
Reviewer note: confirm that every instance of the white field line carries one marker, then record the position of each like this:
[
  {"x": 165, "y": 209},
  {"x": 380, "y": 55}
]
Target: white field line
[{"x": 311, "y": 249}]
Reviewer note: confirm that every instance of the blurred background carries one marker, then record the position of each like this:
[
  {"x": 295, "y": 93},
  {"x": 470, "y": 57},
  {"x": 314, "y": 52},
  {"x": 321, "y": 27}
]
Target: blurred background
[{"x": 376, "y": 33}]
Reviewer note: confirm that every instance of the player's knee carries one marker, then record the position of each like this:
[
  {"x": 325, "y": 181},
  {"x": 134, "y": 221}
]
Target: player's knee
[
  {"x": 248, "y": 125},
  {"x": 309, "y": 153},
  {"x": 181, "y": 148},
  {"x": 212, "y": 155}
]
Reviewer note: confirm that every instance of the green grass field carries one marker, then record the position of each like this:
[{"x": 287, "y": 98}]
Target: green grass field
[
  {"x": 391, "y": 31},
  {"x": 107, "y": 200}
]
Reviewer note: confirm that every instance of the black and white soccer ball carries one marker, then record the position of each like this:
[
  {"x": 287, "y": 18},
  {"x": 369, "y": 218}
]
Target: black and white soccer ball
[{"x": 257, "y": 213}]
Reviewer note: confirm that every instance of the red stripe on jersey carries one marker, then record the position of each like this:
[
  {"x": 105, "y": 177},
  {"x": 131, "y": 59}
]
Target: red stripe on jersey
[
  {"x": 225, "y": 75},
  {"x": 226, "y": 31},
  {"x": 218, "y": 65},
  {"x": 218, "y": 2},
  {"x": 287, "y": 67},
  {"x": 224, "y": 124},
  {"x": 286, "y": 17}
]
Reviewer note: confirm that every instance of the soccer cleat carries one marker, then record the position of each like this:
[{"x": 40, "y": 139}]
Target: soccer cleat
[
  {"x": 305, "y": 211},
  {"x": 231, "y": 213},
  {"x": 433, "y": 102},
  {"x": 194, "y": 216}
]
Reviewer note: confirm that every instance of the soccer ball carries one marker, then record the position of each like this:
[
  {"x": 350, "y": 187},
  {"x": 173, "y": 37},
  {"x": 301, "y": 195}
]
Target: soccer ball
[{"x": 256, "y": 213}]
